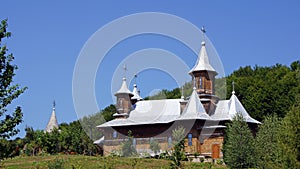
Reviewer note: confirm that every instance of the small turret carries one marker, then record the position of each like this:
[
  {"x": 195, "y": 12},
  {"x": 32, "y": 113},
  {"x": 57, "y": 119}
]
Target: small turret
[{"x": 123, "y": 104}]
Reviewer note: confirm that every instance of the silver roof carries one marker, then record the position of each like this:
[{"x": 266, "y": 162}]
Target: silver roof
[
  {"x": 52, "y": 122},
  {"x": 194, "y": 109},
  {"x": 228, "y": 109},
  {"x": 135, "y": 93},
  {"x": 168, "y": 110},
  {"x": 149, "y": 112},
  {"x": 123, "y": 89},
  {"x": 203, "y": 61}
]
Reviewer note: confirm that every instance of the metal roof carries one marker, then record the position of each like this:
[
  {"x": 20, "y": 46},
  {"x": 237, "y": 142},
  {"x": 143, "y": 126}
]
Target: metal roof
[
  {"x": 227, "y": 109},
  {"x": 52, "y": 122},
  {"x": 123, "y": 89},
  {"x": 135, "y": 93},
  {"x": 194, "y": 109},
  {"x": 203, "y": 61},
  {"x": 168, "y": 110}
]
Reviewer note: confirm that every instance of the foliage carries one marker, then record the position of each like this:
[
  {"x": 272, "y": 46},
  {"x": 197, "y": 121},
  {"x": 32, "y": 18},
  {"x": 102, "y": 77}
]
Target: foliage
[
  {"x": 274, "y": 88},
  {"x": 9, "y": 148},
  {"x": 89, "y": 123},
  {"x": 127, "y": 146},
  {"x": 290, "y": 136},
  {"x": 8, "y": 92},
  {"x": 178, "y": 155},
  {"x": 70, "y": 138},
  {"x": 238, "y": 148},
  {"x": 266, "y": 143},
  {"x": 154, "y": 146},
  {"x": 56, "y": 164}
]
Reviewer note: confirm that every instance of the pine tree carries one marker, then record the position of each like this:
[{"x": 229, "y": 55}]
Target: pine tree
[
  {"x": 267, "y": 145},
  {"x": 290, "y": 136},
  {"x": 8, "y": 92},
  {"x": 238, "y": 146}
]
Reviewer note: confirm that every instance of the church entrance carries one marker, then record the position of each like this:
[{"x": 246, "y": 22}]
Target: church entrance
[{"x": 215, "y": 151}]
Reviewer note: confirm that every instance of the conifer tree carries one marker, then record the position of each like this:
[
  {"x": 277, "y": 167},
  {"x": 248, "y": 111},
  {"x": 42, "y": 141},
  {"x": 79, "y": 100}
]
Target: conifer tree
[
  {"x": 238, "y": 146},
  {"x": 266, "y": 143},
  {"x": 290, "y": 136}
]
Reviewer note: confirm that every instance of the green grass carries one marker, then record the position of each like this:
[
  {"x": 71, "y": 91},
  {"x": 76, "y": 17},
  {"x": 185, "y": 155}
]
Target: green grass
[{"x": 80, "y": 162}]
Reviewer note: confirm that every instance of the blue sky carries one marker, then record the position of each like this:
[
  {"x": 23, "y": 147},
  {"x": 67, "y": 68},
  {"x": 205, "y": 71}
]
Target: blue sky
[{"x": 48, "y": 37}]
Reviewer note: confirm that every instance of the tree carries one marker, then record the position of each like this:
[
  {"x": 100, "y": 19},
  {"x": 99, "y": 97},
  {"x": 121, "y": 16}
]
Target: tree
[
  {"x": 238, "y": 146},
  {"x": 178, "y": 155},
  {"x": 290, "y": 136},
  {"x": 127, "y": 146},
  {"x": 154, "y": 146},
  {"x": 266, "y": 143},
  {"x": 8, "y": 91}
]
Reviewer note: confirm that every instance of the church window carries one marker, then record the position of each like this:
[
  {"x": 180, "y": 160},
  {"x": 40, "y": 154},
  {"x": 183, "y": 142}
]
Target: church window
[
  {"x": 115, "y": 134},
  {"x": 134, "y": 142},
  {"x": 170, "y": 142},
  {"x": 190, "y": 136},
  {"x": 200, "y": 82}
]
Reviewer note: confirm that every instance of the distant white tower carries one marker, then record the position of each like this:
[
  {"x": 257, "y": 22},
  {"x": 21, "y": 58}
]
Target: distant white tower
[{"x": 52, "y": 121}]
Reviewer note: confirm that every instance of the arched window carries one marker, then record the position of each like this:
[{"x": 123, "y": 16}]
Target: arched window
[
  {"x": 200, "y": 82},
  {"x": 134, "y": 142},
  {"x": 115, "y": 134},
  {"x": 169, "y": 142},
  {"x": 190, "y": 136}
]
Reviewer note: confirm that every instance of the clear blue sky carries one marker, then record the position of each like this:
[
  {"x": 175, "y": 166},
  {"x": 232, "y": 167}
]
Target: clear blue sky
[{"x": 48, "y": 36}]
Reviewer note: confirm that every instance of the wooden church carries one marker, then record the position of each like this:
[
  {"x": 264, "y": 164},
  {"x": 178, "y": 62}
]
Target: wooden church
[{"x": 203, "y": 115}]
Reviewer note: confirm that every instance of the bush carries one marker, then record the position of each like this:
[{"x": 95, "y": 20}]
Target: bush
[{"x": 56, "y": 164}]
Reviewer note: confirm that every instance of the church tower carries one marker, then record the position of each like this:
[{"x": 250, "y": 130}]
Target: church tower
[
  {"x": 203, "y": 75},
  {"x": 123, "y": 104},
  {"x": 52, "y": 121}
]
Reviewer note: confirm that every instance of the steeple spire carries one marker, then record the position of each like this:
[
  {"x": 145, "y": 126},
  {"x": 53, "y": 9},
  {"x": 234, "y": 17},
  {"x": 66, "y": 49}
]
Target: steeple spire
[
  {"x": 52, "y": 121},
  {"x": 136, "y": 95}
]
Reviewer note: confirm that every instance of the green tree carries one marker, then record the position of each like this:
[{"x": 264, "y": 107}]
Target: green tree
[
  {"x": 127, "y": 146},
  {"x": 8, "y": 91},
  {"x": 290, "y": 136},
  {"x": 178, "y": 155},
  {"x": 238, "y": 149},
  {"x": 154, "y": 146},
  {"x": 266, "y": 143}
]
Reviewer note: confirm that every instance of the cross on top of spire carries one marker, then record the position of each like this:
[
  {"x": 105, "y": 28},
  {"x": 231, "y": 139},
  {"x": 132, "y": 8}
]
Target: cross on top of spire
[
  {"x": 54, "y": 104},
  {"x": 233, "y": 92},
  {"x": 203, "y": 34},
  {"x": 125, "y": 69}
]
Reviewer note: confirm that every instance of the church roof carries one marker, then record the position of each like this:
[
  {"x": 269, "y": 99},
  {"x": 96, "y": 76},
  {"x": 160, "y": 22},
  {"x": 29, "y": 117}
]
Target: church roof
[
  {"x": 203, "y": 61},
  {"x": 168, "y": 110},
  {"x": 194, "y": 109},
  {"x": 52, "y": 122},
  {"x": 149, "y": 112},
  {"x": 135, "y": 93},
  {"x": 123, "y": 89},
  {"x": 228, "y": 109}
]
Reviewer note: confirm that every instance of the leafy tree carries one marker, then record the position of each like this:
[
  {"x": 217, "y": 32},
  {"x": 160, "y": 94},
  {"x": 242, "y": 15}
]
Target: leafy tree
[
  {"x": 290, "y": 136},
  {"x": 238, "y": 146},
  {"x": 8, "y": 91},
  {"x": 178, "y": 155},
  {"x": 266, "y": 143},
  {"x": 154, "y": 146},
  {"x": 127, "y": 146},
  {"x": 274, "y": 88}
]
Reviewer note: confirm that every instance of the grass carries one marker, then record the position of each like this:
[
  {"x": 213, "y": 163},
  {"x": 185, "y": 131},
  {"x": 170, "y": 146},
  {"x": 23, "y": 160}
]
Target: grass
[{"x": 80, "y": 162}]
